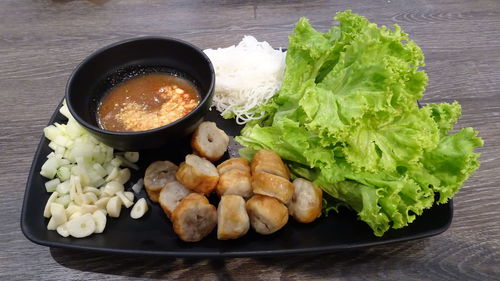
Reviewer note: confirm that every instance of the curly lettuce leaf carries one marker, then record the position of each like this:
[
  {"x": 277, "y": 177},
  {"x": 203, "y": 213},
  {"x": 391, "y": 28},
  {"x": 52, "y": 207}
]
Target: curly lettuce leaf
[{"x": 347, "y": 118}]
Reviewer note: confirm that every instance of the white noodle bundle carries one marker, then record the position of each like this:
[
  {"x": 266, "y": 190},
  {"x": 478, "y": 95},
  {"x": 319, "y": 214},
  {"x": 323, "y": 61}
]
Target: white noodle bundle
[{"x": 247, "y": 75}]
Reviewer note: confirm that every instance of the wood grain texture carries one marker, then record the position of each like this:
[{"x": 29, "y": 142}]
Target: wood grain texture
[{"x": 42, "y": 41}]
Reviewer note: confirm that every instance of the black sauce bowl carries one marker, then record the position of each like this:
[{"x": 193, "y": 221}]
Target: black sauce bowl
[{"x": 115, "y": 63}]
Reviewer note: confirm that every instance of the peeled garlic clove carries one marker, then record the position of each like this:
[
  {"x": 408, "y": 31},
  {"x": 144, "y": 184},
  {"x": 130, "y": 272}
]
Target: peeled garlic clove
[
  {"x": 129, "y": 195},
  {"x": 75, "y": 215},
  {"x": 81, "y": 226},
  {"x": 103, "y": 211},
  {"x": 92, "y": 189},
  {"x": 132, "y": 156},
  {"x": 100, "y": 221},
  {"x": 62, "y": 230},
  {"x": 52, "y": 198},
  {"x": 52, "y": 224},
  {"x": 101, "y": 203},
  {"x": 80, "y": 199},
  {"x": 58, "y": 214},
  {"x": 139, "y": 209},
  {"x": 71, "y": 209},
  {"x": 88, "y": 208},
  {"x": 114, "y": 207},
  {"x": 123, "y": 176},
  {"x": 127, "y": 203},
  {"x": 114, "y": 174},
  {"x": 112, "y": 187},
  {"x": 91, "y": 198}
]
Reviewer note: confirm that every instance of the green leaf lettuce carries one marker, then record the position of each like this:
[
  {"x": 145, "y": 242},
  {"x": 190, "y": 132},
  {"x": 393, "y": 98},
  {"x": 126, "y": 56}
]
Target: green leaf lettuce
[{"x": 347, "y": 118}]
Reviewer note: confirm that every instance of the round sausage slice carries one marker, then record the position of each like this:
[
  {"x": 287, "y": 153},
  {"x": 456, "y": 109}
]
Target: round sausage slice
[
  {"x": 194, "y": 218},
  {"x": 232, "y": 217},
  {"x": 272, "y": 185},
  {"x": 267, "y": 214},
  {"x": 235, "y": 182},
  {"x": 171, "y": 195},
  {"x": 157, "y": 175},
  {"x": 269, "y": 162},
  {"x": 234, "y": 163},
  {"x": 197, "y": 174},
  {"x": 209, "y": 142},
  {"x": 306, "y": 202}
]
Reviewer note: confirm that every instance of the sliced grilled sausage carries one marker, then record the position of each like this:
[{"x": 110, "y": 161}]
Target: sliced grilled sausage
[
  {"x": 209, "y": 142},
  {"x": 269, "y": 162},
  {"x": 267, "y": 214},
  {"x": 272, "y": 185},
  {"x": 234, "y": 163},
  {"x": 232, "y": 217},
  {"x": 171, "y": 195},
  {"x": 235, "y": 182},
  {"x": 197, "y": 174},
  {"x": 157, "y": 175},
  {"x": 194, "y": 218},
  {"x": 306, "y": 202}
]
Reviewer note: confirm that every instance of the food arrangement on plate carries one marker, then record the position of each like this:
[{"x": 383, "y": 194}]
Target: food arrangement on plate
[{"x": 331, "y": 123}]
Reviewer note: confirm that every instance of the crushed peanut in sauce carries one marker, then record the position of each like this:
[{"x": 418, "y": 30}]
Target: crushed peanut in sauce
[{"x": 147, "y": 102}]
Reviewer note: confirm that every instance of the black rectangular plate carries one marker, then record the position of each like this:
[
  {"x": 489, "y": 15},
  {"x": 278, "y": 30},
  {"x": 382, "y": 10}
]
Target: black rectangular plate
[{"x": 153, "y": 234}]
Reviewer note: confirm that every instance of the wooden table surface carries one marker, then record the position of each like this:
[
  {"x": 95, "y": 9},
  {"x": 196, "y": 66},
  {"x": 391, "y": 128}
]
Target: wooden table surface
[{"x": 42, "y": 41}]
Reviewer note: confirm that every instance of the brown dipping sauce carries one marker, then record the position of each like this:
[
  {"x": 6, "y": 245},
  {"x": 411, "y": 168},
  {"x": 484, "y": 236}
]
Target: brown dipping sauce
[{"x": 146, "y": 102}]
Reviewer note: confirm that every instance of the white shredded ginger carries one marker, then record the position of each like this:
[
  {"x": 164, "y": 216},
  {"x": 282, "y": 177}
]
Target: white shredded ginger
[{"x": 247, "y": 76}]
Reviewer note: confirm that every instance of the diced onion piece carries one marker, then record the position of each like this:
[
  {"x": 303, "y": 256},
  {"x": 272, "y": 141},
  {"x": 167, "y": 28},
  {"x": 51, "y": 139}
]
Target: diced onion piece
[
  {"x": 63, "y": 187},
  {"x": 126, "y": 202},
  {"x": 64, "y": 173},
  {"x": 63, "y": 200},
  {"x": 81, "y": 226},
  {"x": 51, "y": 185},
  {"x": 61, "y": 140},
  {"x": 62, "y": 230},
  {"x": 139, "y": 209},
  {"x": 49, "y": 168},
  {"x": 114, "y": 207},
  {"x": 52, "y": 198},
  {"x": 51, "y": 132},
  {"x": 132, "y": 156},
  {"x": 138, "y": 186},
  {"x": 65, "y": 111},
  {"x": 59, "y": 150},
  {"x": 73, "y": 129},
  {"x": 100, "y": 221},
  {"x": 53, "y": 145}
]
